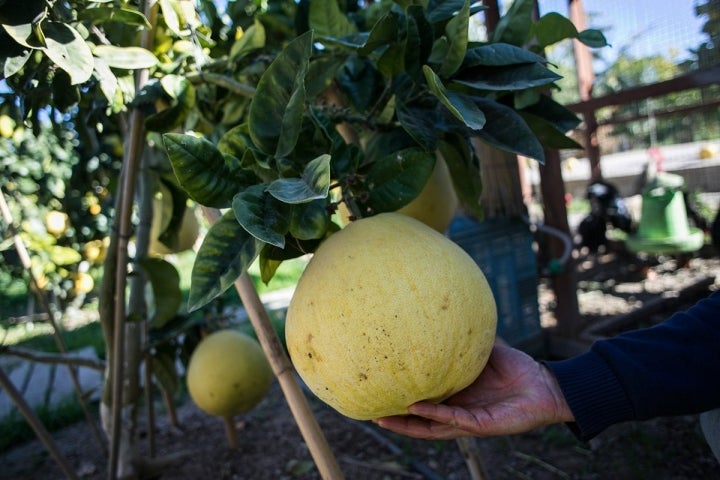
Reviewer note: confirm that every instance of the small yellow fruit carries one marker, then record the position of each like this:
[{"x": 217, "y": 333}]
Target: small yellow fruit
[
  {"x": 389, "y": 312},
  {"x": 709, "y": 151},
  {"x": 7, "y": 126},
  {"x": 436, "y": 204},
  {"x": 56, "y": 223},
  {"x": 228, "y": 374},
  {"x": 94, "y": 251},
  {"x": 188, "y": 234},
  {"x": 83, "y": 283}
]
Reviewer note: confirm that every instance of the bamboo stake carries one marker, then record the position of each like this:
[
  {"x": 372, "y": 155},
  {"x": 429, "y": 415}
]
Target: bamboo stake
[
  {"x": 470, "y": 453},
  {"x": 285, "y": 373},
  {"x": 36, "y": 425},
  {"x": 128, "y": 177},
  {"x": 40, "y": 295}
]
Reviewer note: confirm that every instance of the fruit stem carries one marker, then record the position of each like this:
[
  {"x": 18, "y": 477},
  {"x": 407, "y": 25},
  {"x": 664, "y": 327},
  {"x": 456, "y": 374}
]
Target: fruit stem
[{"x": 230, "y": 432}]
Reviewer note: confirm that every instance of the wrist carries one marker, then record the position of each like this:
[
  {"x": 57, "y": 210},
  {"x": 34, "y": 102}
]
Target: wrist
[{"x": 563, "y": 414}]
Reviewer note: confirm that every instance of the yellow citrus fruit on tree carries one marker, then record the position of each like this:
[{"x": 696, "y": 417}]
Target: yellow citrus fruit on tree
[
  {"x": 56, "y": 223},
  {"x": 187, "y": 235},
  {"x": 435, "y": 205},
  {"x": 228, "y": 373},
  {"x": 96, "y": 250},
  {"x": 389, "y": 312},
  {"x": 7, "y": 126},
  {"x": 83, "y": 283}
]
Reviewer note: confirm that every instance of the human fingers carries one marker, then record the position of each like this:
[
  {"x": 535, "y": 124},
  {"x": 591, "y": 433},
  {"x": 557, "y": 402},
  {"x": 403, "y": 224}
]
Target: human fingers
[{"x": 419, "y": 427}]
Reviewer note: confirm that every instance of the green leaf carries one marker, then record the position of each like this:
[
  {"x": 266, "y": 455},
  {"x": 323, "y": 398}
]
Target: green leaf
[
  {"x": 384, "y": 32},
  {"x": 419, "y": 41},
  {"x": 506, "y": 130},
  {"x": 548, "y": 134},
  {"x": 506, "y": 78},
  {"x": 461, "y": 106},
  {"x": 163, "y": 368},
  {"x": 593, "y": 38},
  {"x": 396, "y": 179},
  {"x": 262, "y": 215},
  {"x": 165, "y": 281},
  {"x": 514, "y": 27},
  {"x": 309, "y": 221},
  {"x": 65, "y": 95},
  {"x": 500, "y": 54},
  {"x": 253, "y": 38},
  {"x": 321, "y": 74},
  {"x": 63, "y": 255},
  {"x": 182, "y": 93},
  {"x": 226, "y": 252},
  {"x": 14, "y": 64},
  {"x": 101, "y": 14},
  {"x": 361, "y": 82},
  {"x": 346, "y": 156},
  {"x": 552, "y": 28},
  {"x": 456, "y": 32},
  {"x": 275, "y": 117},
  {"x": 313, "y": 184},
  {"x": 419, "y": 120},
  {"x": 236, "y": 143},
  {"x": 327, "y": 20},
  {"x": 203, "y": 172},
  {"x": 129, "y": 58},
  {"x": 392, "y": 60},
  {"x": 560, "y": 116},
  {"x": 108, "y": 81},
  {"x": 438, "y": 12},
  {"x": 464, "y": 170},
  {"x": 68, "y": 50},
  {"x": 25, "y": 34}
]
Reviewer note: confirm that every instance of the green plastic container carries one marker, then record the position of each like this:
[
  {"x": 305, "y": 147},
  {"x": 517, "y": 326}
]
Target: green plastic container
[{"x": 663, "y": 226}]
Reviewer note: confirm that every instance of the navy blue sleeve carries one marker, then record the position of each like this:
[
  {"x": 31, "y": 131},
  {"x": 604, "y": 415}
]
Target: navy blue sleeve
[{"x": 670, "y": 369}]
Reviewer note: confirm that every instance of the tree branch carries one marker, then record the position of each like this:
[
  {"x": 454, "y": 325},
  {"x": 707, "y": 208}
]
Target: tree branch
[{"x": 53, "y": 358}]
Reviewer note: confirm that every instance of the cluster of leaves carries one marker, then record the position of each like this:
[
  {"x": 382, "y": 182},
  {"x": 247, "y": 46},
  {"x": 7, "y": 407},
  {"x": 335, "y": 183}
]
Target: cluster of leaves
[
  {"x": 405, "y": 81},
  {"x": 293, "y": 107},
  {"x": 42, "y": 174}
]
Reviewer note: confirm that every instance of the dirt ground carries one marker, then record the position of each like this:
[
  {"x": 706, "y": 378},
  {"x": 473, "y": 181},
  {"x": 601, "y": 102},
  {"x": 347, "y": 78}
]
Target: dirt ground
[{"x": 611, "y": 286}]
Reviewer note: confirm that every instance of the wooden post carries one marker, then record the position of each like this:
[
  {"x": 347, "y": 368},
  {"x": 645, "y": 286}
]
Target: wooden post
[
  {"x": 502, "y": 194},
  {"x": 285, "y": 373},
  {"x": 564, "y": 284},
  {"x": 586, "y": 80}
]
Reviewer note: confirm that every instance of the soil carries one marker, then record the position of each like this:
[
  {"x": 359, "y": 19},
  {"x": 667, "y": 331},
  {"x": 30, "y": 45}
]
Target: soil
[{"x": 612, "y": 288}]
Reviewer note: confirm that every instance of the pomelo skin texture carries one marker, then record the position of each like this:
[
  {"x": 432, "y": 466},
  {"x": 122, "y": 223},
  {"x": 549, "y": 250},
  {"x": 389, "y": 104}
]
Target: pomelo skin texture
[
  {"x": 228, "y": 374},
  {"x": 389, "y": 312}
]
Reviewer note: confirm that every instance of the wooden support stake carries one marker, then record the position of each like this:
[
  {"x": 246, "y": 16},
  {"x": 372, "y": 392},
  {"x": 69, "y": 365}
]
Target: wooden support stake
[
  {"x": 230, "y": 432},
  {"x": 285, "y": 373},
  {"x": 36, "y": 425}
]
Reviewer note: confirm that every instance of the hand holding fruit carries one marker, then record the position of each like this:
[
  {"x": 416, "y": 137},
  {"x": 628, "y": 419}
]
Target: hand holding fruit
[{"x": 513, "y": 394}]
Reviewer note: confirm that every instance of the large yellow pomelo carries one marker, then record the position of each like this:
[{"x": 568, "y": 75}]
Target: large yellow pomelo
[
  {"x": 389, "y": 312},
  {"x": 228, "y": 373}
]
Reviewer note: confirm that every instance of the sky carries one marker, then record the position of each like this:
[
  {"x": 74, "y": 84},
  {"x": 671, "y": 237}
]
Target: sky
[{"x": 666, "y": 27}]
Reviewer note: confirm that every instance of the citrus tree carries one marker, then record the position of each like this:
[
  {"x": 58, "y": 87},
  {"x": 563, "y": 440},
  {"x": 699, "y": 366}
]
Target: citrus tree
[{"x": 260, "y": 112}]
